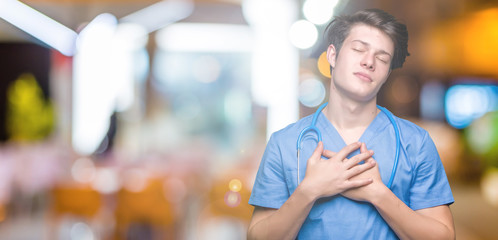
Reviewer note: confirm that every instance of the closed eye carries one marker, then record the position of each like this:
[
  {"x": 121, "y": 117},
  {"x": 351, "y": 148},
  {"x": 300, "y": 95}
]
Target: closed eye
[
  {"x": 383, "y": 59},
  {"x": 358, "y": 49}
]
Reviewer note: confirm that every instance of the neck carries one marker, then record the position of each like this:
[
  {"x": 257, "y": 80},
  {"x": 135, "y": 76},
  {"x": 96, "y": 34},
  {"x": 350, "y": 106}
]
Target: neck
[{"x": 348, "y": 114}]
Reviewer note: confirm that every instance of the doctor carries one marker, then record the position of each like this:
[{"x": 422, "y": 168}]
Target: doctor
[{"x": 342, "y": 192}]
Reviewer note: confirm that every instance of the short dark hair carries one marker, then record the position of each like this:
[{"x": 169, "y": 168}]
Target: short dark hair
[{"x": 339, "y": 28}]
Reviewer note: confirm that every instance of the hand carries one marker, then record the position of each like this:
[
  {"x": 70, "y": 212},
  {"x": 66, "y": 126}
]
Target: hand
[
  {"x": 333, "y": 176},
  {"x": 365, "y": 193}
]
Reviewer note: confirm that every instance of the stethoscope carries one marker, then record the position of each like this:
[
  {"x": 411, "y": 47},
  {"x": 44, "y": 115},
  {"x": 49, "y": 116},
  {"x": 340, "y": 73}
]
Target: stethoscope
[{"x": 313, "y": 128}]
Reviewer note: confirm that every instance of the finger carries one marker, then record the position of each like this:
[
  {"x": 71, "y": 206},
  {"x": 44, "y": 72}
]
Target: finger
[
  {"x": 328, "y": 153},
  {"x": 358, "y": 158},
  {"x": 318, "y": 152},
  {"x": 345, "y": 151},
  {"x": 358, "y": 183},
  {"x": 370, "y": 160},
  {"x": 358, "y": 169},
  {"x": 363, "y": 148}
]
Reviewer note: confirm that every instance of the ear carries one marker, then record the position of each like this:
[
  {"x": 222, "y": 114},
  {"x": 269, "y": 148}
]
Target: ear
[{"x": 331, "y": 55}]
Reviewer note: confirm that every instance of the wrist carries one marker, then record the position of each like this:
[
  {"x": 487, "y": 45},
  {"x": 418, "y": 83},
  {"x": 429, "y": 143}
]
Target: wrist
[
  {"x": 380, "y": 192},
  {"x": 307, "y": 192}
]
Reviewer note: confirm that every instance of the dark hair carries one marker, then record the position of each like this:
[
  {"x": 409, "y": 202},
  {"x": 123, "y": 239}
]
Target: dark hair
[{"x": 339, "y": 28}]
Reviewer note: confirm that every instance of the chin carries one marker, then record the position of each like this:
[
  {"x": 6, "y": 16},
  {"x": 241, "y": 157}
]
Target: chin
[{"x": 367, "y": 98}]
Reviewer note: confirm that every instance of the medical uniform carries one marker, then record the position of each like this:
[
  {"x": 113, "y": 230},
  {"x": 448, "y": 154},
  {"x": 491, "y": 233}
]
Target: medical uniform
[{"x": 420, "y": 180}]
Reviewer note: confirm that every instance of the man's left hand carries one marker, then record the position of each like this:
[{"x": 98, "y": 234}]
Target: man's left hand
[{"x": 368, "y": 192}]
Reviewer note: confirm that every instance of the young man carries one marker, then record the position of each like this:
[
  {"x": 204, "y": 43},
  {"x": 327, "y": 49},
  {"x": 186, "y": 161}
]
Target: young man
[{"x": 341, "y": 193}]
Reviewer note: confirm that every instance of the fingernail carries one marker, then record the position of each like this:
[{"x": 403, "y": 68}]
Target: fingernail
[{"x": 371, "y": 151}]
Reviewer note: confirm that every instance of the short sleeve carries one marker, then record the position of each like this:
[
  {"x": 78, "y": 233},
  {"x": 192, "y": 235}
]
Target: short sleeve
[
  {"x": 270, "y": 189},
  {"x": 430, "y": 186}
]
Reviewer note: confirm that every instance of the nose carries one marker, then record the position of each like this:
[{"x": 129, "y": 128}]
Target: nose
[{"x": 368, "y": 62}]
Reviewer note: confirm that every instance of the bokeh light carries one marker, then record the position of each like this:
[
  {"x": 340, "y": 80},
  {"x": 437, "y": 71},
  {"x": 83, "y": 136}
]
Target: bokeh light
[
  {"x": 482, "y": 136},
  {"x": 489, "y": 186},
  {"x": 81, "y": 231},
  {"x": 134, "y": 180},
  {"x": 106, "y": 181},
  {"x": 83, "y": 170},
  {"x": 311, "y": 92},
  {"x": 235, "y": 185},
  {"x": 319, "y": 11},
  {"x": 232, "y": 199},
  {"x": 303, "y": 34},
  {"x": 269, "y": 13},
  {"x": 464, "y": 103}
]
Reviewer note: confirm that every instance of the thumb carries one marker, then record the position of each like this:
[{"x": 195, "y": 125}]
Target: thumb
[
  {"x": 328, "y": 153},
  {"x": 317, "y": 154}
]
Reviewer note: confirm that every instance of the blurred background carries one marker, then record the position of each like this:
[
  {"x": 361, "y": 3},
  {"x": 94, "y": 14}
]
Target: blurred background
[{"x": 147, "y": 119}]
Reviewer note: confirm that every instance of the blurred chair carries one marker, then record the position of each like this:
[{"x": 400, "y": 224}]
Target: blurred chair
[
  {"x": 75, "y": 203},
  {"x": 76, "y": 200},
  {"x": 145, "y": 214}
]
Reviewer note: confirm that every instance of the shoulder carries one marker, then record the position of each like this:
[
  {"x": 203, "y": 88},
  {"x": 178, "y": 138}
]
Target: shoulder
[
  {"x": 416, "y": 141},
  {"x": 292, "y": 130},
  {"x": 285, "y": 139},
  {"x": 411, "y": 130}
]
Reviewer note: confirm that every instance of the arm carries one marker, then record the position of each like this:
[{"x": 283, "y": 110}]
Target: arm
[
  {"x": 428, "y": 223},
  {"x": 285, "y": 222}
]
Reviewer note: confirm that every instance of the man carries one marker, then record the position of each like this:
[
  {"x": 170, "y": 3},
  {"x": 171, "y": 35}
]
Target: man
[{"x": 342, "y": 194}]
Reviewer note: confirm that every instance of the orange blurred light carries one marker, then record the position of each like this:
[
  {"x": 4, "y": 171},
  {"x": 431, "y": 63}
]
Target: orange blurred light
[
  {"x": 323, "y": 65},
  {"x": 2, "y": 213},
  {"x": 479, "y": 36},
  {"x": 465, "y": 46}
]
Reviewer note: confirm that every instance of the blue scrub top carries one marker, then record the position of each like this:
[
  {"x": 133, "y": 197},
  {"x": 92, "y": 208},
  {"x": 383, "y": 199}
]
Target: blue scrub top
[{"x": 420, "y": 180}]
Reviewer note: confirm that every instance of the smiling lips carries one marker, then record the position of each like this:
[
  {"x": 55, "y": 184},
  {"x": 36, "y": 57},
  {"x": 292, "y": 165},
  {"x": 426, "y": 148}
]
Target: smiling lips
[{"x": 363, "y": 76}]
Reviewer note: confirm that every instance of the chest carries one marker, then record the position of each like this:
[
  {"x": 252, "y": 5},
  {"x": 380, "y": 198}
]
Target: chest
[
  {"x": 382, "y": 143},
  {"x": 351, "y": 135}
]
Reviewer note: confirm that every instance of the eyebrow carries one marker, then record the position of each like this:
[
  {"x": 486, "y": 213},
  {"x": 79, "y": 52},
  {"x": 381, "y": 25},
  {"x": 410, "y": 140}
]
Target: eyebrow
[{"x": 368, "y": 44}]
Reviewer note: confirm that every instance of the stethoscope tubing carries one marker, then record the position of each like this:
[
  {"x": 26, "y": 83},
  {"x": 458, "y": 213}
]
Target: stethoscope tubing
[{"x": 313, "y": 127}]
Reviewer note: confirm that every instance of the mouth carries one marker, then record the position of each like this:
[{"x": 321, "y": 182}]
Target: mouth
[{"x": 363, "y": 76}]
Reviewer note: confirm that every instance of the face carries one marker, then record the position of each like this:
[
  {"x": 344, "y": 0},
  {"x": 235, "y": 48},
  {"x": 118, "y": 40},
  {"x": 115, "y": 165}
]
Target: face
[{"x": 363, "y": 63}]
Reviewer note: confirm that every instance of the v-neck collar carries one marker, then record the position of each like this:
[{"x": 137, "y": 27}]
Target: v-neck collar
[{"x": 378, "y": 123}]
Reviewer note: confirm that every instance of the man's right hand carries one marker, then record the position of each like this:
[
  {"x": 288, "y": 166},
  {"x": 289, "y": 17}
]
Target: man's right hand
[{"x": 329, "y": 177}]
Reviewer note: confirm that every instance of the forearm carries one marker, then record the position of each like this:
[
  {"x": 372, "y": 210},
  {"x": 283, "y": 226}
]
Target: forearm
[
  {"x": 409, "y": 224},
  {"x": 285, "y": 222}
]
